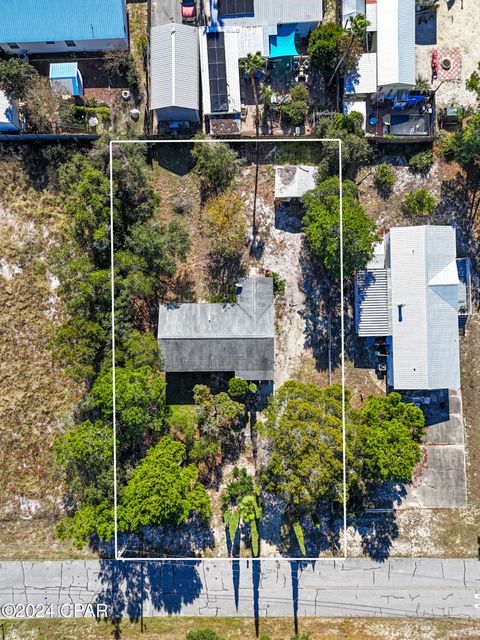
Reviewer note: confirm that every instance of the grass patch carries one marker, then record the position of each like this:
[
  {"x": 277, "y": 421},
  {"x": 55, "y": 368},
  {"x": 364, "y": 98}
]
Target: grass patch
[
  {"x": 244, "y": 629},
  {"x": 36, "y": 399}
]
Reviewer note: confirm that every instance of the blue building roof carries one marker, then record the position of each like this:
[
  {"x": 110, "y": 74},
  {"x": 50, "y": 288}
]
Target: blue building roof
[
  {"x": 44, "y": 20},
  {"x": 60, "y": 70}
]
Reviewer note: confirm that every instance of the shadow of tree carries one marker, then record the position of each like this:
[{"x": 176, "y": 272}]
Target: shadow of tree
[
  {"x": 188, "y": 539},
  {"x": 163, "y": 586}
]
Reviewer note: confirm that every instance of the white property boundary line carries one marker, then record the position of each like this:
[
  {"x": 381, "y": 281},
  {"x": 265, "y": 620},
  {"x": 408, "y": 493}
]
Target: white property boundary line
[{"x": 342, "y": 339}]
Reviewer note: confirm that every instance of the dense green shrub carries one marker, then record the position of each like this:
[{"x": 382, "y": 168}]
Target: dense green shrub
[
  {"x": 419, "y": 203},
  {"x": 300, "y": 92},
  {"x": 237, "y": 387},
  {"x": 421, "y": 162},
  {"x": 295, "y": 112},
  {"x": 216, "y": 164},
  {"x": 384, "y": 178}
]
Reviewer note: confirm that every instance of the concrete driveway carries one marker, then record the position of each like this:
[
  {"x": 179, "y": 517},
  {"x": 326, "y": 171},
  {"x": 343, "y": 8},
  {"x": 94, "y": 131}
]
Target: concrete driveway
[
  {"x": 440, "y": 480},
  {"x": 165, "y": 11}
]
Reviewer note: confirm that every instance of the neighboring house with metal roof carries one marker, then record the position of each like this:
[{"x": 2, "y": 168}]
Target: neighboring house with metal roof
[
  {"x": 413, "y": 294},
  {"x": 237, "y": 28},
  {"x": 58, "y": 26},
  {"x": 390, "y": 64},
  {"x": 235, "y": 337},
  {"x": 293, "y": 181},
  {"x": 248, "y": 13},
  {"x": 174, "y": 73}
]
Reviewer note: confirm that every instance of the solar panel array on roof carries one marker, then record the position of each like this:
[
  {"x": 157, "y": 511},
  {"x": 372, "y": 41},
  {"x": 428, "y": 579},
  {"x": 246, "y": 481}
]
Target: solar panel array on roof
[
  {"x": 235, "y": 7},
  {"x": 217, "y": 71}
]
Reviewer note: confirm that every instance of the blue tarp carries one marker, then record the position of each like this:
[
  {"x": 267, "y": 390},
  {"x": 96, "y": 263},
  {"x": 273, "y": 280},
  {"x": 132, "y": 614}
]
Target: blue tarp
[{"x": 283, "y": 44}]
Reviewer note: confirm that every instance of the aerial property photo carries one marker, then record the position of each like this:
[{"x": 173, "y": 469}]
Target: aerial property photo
[{"x": 240, "y": 325}]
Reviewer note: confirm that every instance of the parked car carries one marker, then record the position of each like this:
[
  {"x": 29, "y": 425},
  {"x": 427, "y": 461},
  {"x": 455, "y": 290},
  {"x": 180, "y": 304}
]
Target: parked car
[{"x": 189, "y": 11}]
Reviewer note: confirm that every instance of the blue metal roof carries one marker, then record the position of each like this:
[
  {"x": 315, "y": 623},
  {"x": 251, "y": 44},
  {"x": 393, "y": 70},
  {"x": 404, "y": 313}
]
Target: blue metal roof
[
  {"x": 44, "y": 20},
  {"x": 60, "y": 70}
]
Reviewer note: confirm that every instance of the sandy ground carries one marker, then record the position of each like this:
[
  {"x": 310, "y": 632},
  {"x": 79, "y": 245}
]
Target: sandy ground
[{"x": 456, "y": 27}]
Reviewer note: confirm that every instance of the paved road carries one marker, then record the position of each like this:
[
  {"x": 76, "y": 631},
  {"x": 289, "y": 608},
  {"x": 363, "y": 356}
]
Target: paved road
[{"x": 357, "y": 587}]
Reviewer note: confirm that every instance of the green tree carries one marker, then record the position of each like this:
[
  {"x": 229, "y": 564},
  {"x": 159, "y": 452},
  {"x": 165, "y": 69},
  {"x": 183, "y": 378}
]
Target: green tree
[
  {"x": 351, "y": 44},
  {"x": 466, "y": 144},
  {"x": 322, "y": 227},
  {"x": 419, "y": 203},
  {"x": 240, "y": 504},
  {"x": 141, "y": 409},
  {"x": 162, "y": 491},
  {"x": 216, "y": 164},
  {"x": 85, "y": 453},
  {"x": 16, "y": 78},
  {"x": 388, "y": 438},
  {"x": 324, "y": 47},
  {"x": 252, "y": 65},
  {"x": 225, "y": 225},
  {"x": 88, "y": 521},
  {"x": 219, "y": 421},
  {"x": 237, "y": 388},
  {"x": 294, "y": 112},
  {"x": 356, "y": 150},
  {"x": 304, "y": 430},
  {"x": 77, "y": 347},
  {"x": 473, "y": 82}
]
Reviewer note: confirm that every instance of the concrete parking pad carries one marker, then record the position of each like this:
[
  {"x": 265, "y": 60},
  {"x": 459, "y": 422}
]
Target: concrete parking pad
[{"x": 440, "y": 481}]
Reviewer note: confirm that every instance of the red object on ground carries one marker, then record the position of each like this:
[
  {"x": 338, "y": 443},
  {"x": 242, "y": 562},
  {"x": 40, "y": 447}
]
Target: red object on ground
[{"x": 189, "y": 10}]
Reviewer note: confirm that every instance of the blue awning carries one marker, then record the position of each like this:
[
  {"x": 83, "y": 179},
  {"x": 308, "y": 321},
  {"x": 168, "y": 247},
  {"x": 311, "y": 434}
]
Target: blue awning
[{"x": 283, "y": 44}]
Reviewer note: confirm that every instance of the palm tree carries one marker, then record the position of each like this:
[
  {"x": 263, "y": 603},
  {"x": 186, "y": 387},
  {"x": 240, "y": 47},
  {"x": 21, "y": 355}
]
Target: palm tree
[
  {"x": 252, "y": 64},
  {"x": 358, "y": 30}
]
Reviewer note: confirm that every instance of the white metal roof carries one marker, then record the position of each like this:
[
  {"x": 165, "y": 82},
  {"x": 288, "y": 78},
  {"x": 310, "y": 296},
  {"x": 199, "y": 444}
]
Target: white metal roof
[
  {"x": 364, "y": 78},
  {"x": 396, "y": 43},
  {"x": 174, "y": 67},
  {"x": 372, "y": 308},
  {"x": 293, "y": 181},
  {"x": 232, "y": 70},
  {"x": 424, "y": 299},
  {"x": 270, "y": 12}
]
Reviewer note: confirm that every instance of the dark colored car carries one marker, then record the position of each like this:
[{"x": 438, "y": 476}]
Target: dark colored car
[{"x": 189, "y": 10}]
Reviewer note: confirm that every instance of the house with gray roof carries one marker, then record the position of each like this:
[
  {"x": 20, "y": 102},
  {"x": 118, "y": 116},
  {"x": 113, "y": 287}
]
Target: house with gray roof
[
  {"x": 413, "y": 294},
  {"x": 235, "y": 337},
  {"x": 174, "y": 73}
]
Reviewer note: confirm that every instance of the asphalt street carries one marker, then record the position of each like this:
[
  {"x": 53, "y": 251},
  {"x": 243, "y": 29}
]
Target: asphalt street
[{"x": 355, "y": 587}]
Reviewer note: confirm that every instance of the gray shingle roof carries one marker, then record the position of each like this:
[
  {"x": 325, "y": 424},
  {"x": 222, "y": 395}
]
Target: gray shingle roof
[{"x": 235, "y": 337}]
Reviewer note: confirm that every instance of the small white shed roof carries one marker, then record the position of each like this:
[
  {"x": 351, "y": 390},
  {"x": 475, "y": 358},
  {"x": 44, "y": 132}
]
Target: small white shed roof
[{"x": 293, "y": 181}]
